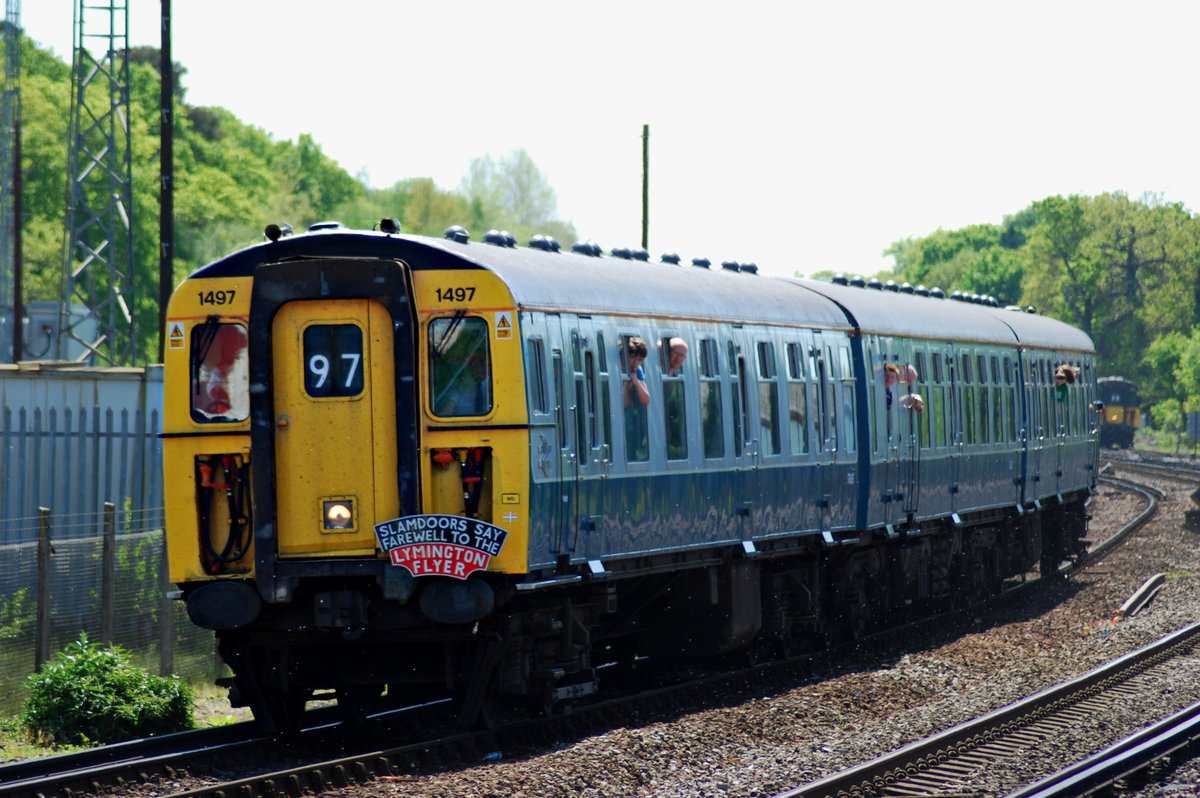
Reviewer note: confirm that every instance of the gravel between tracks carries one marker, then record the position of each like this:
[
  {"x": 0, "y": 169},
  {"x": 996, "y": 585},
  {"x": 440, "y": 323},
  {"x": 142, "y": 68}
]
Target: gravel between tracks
[{"x": 763, "y": 744}]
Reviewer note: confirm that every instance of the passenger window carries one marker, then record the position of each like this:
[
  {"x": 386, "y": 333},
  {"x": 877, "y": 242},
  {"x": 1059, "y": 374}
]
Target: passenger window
[
  {"x": 768, "y": 397},
  {"x": 673, "y": 355},
  {"x": 221, "y": 372},
  {"x": 849, "y": 414},
  {"x": 560, "y": 407},
  {"x": 797, "y": 400},
  {"x": 584, "y": 417},
  {"x": 538, "y": 400},
  {"x": 633, "y": 356},
  {"x": 711, "y": 419},
  {"x": 604, "y": 410},
  {"x": 459, "y": 367},
  {"x": 735, "y": 389}
]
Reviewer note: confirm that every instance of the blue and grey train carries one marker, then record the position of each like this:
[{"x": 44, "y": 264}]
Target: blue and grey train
[{"x": 402, "y": 466}]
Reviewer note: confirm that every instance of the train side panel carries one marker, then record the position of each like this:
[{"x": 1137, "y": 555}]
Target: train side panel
[
  {"x": 206, "y": 441},
  {"x": 474, "y": 461}
]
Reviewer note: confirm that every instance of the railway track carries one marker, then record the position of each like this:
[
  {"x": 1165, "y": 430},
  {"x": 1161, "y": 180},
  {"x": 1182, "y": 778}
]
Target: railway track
[
  {"x": 943, "y": 764},
  {"x": 1135, "y": 759},
  {"x": 380, "y": 751},
  {"x": 138, "y": 760}
]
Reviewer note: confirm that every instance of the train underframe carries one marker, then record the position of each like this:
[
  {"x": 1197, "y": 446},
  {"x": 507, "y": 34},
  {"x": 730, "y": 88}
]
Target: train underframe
[{"x": 542, "y": 649}]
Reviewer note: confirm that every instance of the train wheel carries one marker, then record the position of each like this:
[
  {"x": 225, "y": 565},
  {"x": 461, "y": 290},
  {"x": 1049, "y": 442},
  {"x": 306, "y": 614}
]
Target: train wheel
[{"x": 285, "y": 706}]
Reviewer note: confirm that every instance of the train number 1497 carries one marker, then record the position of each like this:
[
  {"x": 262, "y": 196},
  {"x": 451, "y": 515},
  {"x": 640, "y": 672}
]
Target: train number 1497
[
  {"x": 456, "y": 294},
  {"x": 216, "y": 297}
]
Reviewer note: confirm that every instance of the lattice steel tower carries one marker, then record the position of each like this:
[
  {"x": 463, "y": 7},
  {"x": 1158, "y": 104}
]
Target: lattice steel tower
[
  {"x": 10, "y": 114},
  {"x": 98, "y": 251}
]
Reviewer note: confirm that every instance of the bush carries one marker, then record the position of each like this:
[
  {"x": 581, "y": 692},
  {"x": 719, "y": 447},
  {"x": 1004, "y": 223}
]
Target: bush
[{"x": 94, "y": 694}]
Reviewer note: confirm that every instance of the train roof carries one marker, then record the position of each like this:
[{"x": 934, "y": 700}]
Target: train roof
[
  {"x": 896, "y": 313},
  {"x": 568, "y": 282},
  {"x": 578, "y": 283}
]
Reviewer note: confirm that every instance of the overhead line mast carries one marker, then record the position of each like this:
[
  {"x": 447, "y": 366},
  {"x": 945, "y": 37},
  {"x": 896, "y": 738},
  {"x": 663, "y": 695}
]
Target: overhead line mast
[{"x": 98, "y": 248}]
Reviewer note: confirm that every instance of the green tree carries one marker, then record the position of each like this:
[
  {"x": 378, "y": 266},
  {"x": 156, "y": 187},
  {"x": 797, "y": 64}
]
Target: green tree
[
  {"x": 513, "y": 195},
  {"x": 974, "y": 259},
  {"x": 1097, "y": 262}
]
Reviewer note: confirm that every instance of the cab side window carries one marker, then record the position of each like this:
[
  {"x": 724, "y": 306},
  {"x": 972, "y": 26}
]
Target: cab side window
[
  {"x": 220, "y": 372},
  {"x": 460, "y": 368}
]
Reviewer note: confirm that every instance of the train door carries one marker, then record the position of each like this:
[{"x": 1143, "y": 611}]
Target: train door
[
  {"x": 1060, "y": 408},
  {"x": 743, "y": 402},
  {"x": 563, "y": 509},
  {"x": 886, "y": 374},
  {"x": 827, "y": 442},
  {"x": 913, "y": 419},
  {"x": 541, "y": 354},
  {"x": 1037, "y": 427},
  {"x": 335, "y": 425},
  {"x": 590, "y": 417},
  {"x": 957, "y": 438}
]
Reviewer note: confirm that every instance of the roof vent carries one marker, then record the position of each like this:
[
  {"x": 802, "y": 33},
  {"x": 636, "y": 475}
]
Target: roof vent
[
  {"x": 640, "y": 254},
  {"x": 937, "y": 293},
  {"x": 326, "y": 226},
  {"x": 749, "y": 268},
  {"x": 703, "y": 263},
  {"x": 544, "y": 243},
  {"x": 621, "y": 252},
  {"x": 890, "y": 285},
  {"x": 906, "y": 288},
  {"x": 922, "y": 290},
  {"x": 501, "y": 238},
  {"x": 587, "y": 248},
  {"x": 669, "y": 257},
  {"x": 840, "y": 279},
  {"x": 875, "y": 283},
  {"x": 277, "y": 231},
  {"x": 858, "y": 282},
  {"x": 456, "y": 232},
  {"x": 731, "y": 265}
]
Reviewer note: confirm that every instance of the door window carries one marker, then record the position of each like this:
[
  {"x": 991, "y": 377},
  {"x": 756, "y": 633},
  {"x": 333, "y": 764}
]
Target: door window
[{"x": 333, "y": 360}]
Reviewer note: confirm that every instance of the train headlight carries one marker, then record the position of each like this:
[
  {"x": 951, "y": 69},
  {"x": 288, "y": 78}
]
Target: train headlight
[{"x": 338, "y": 514}]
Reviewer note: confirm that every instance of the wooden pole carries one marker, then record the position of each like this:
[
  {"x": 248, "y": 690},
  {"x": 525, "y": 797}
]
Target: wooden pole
[
  {"x": 42, "y": 647},
  {"x": 108, "y": 576},
  {"x": 166, "y": 199},
  {"x": 646, "y": 187},
  {"x": 166, "y": 626}
]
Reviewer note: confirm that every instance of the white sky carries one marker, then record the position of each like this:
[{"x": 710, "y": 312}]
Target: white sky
[{"x": 800, "y": 135}]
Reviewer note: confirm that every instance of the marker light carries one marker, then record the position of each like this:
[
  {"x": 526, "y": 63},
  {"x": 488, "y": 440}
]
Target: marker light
[{"x": 339, "y": 513}]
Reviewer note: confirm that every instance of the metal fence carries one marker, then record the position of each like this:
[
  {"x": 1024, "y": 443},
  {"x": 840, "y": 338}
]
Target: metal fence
[{"x": 81, "y": 520}]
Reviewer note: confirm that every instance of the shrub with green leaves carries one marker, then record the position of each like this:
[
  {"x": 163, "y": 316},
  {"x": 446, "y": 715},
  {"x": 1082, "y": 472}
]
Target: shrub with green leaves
[{"x": 93, "y": 694}]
